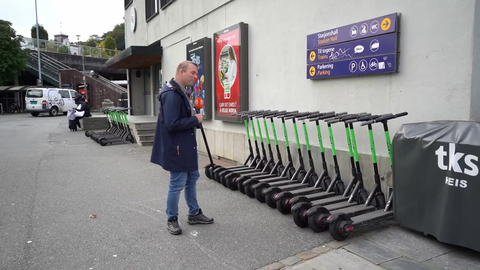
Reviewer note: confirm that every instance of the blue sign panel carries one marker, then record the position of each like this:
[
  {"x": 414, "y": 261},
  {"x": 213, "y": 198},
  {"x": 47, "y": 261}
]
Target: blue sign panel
[
  {"x": 386, "y": 63},
  {"x": 373, "y": 27},
  {"x": 354, "y": 49}
]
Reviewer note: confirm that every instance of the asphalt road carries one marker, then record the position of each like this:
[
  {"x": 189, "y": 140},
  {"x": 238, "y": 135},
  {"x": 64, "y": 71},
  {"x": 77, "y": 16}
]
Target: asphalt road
[{"x": 52, "y": 180}]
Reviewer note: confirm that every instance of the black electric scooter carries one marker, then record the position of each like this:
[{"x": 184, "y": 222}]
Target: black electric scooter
[
  {"x": 301, "y": 204},
  {"x": 264, "y": 160},
  {"x": 317, "y": 215},
  {"x": 268, "y": 167},
  {"x": 257, "y": 159},
  {"x": 298, "y": 176},
  {"x": 273, "y": 168},
  {"x": 340, "y": 225},
  {"x": 237, "y": 179},
  {"x": 280, "y": 196},
  {"x": 329, "y": 188},
  {"x": 311, "y": 182},
  {"x": 250, "y": 161},
  {"x": 245, "y": 182}
]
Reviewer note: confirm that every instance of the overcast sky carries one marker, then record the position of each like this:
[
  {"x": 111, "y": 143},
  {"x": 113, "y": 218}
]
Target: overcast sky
[{"x": 85, "y": 18}]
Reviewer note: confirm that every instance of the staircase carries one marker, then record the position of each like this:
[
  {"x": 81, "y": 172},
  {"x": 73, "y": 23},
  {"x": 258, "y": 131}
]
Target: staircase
[
  {"x": 51, "y": 68},
  {"x": 143, "y": 128},
  {"x": 144, "y": 133}
]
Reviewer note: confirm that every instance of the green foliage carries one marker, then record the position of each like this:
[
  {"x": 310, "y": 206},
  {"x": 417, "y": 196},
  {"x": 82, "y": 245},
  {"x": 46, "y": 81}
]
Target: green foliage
[
  {"x": 41, "y": 32},
  {"x": 13, "y": 58},
  {"x": 51, "y": 47},
  {"x": 110, "y": 43},
  {"x": 64, "y": 49},
  {"x": 118, "y": 34},
  {"x": 90, "y": 42}
]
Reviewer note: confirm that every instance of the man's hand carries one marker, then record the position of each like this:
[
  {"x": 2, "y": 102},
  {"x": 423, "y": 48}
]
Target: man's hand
[{"x": 199, "y": 117}]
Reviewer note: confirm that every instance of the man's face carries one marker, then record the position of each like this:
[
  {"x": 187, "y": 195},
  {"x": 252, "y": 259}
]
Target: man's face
[{"x": 190, "y": 76}]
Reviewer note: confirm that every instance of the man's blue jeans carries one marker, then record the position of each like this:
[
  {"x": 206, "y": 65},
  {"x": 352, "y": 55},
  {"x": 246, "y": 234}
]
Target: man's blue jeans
[{"x": 179, "y": 181}]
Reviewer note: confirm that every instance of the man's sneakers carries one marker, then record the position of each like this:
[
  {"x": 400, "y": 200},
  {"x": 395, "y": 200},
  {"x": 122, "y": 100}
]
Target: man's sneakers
[
  {"x": 199, "y": 218},
  {"x": 173, "y": 227}
]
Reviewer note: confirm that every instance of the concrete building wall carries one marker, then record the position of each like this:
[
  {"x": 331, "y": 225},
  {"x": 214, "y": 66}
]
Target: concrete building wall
[{"x": 436, "y": 62}]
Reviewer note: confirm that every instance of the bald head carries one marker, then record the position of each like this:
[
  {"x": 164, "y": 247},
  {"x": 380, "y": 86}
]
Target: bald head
[{"x": 187, "y": 73}]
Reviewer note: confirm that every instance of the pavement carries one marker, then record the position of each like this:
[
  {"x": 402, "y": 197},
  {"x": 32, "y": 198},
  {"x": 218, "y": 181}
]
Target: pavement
[{"x": 68, "y": 203}]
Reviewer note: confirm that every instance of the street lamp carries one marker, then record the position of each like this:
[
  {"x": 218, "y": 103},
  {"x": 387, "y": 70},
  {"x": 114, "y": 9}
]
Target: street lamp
[
  {"x": 83, "y": 64},
  {"x": 40, "y": 81}
]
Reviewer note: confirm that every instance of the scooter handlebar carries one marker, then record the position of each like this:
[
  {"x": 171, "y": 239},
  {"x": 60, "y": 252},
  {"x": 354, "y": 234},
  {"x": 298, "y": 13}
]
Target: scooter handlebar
[
  {"x": 315, "y": 115},
  {"x": 384, "y": 118},
  {"x": 346, "y": 117},
  {"x": 300, "y": 115},
  {"x": 270, "y": 114},
  {"x": 363, "y": 118},
  {"x": 329, "y": 116},
  {"x": 282, "y": 115}
]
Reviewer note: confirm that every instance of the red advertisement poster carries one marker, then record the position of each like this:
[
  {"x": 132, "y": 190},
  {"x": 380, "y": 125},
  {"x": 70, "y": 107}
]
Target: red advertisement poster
[{"x": 227, "y": 73}]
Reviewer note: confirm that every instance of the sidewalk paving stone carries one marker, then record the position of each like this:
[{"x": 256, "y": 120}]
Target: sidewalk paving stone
[
  {"x": 372, "y": 252},
  {"x": 410, "y": 244},
  {"x": 404, "y": 264},
  {"x": 336, "y": 259},
  {"x": 459, "y": 260}
]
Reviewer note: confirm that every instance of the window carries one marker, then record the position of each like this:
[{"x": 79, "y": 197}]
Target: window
[
  {"x": 127, "y": 3},
  {"x": 35, "y": 93},
  {"x": 165, "y": 3},
  {"x": 64, "y": 93},
  {"x": 151, "y": 9}
]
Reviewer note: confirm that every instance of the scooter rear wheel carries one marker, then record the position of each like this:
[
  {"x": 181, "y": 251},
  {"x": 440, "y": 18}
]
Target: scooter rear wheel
[
  {"x": 317, "y": 221},
  {"x": 283, "y": 202},
  {"x": 300, "y": 215},
  {"x": 337, "y": 229}
]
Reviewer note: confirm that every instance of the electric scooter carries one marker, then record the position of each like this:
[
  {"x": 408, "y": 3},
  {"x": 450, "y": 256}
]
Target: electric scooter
[
  {"x": 340, "y": 225},
  {"x": 317, "y": 215}
]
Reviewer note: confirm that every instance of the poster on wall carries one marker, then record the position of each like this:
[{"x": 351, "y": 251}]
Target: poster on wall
[
  {"x": 199, "y": 52},
  {"x": 231, "y": 72}
]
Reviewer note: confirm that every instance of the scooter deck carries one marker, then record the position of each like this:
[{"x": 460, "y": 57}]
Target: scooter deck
[
  {"x": 340, "y": 205},
  {"x": 318, "y": 195},
  {"x": 246, "y": 171},
  {"x": 372, "y": 217},
  {"x": 354, "y": 210},
  {"x": 331, "y": 200},
  {"x": 256, "y": 173},
  {"x": 286, "y": 185},
  {"x": 306, "y": 189}
]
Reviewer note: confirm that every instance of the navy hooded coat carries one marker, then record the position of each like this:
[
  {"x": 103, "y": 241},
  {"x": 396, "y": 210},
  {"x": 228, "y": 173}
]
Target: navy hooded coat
[{"x": 175, "y": 145}]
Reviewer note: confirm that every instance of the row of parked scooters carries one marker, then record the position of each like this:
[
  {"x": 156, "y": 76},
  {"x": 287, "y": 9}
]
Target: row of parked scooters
[
  {"x": 118, "y": 130},
  {"x": 317, "y": 198}
]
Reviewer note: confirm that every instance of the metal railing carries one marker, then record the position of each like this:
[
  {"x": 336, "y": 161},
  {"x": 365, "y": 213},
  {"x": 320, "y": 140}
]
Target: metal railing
[
  {"x": 52, "y": 67},
  {"x": 47, "y": 68},
  {"x": 106, "y": 81},
  {"x": 68, "y": 48}
]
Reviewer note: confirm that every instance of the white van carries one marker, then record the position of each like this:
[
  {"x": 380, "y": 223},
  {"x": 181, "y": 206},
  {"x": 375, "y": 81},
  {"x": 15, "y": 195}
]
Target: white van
[{"x": 51, "y": 100}]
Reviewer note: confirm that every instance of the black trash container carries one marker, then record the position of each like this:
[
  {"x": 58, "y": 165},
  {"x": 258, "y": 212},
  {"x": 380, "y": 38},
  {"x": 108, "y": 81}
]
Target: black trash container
[{"x": 436, "y": 180}]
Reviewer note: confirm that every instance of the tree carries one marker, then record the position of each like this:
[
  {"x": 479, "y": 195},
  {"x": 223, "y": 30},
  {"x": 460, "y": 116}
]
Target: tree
[
  {"x": 41, "y": 32},
  {"x": 64, "y": 49},
  {"x": 14, "y": 59},
  {"x": 118, "y": 33},
  {"x": 110, "y": 43}
]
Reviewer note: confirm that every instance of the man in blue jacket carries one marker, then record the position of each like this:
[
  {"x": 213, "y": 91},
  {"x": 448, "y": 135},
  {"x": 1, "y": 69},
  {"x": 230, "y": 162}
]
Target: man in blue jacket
[{"x": 175, "y": 145}]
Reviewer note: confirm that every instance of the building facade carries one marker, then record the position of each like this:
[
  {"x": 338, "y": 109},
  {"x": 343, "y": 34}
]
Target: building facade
[{"x": 433, "y": 71}]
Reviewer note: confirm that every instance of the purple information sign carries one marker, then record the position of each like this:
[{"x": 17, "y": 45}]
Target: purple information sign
[
  {"x": 386, "y": 63},
  {"x": 368, "y": 28},
  {"x": 354, "y": 49}
]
